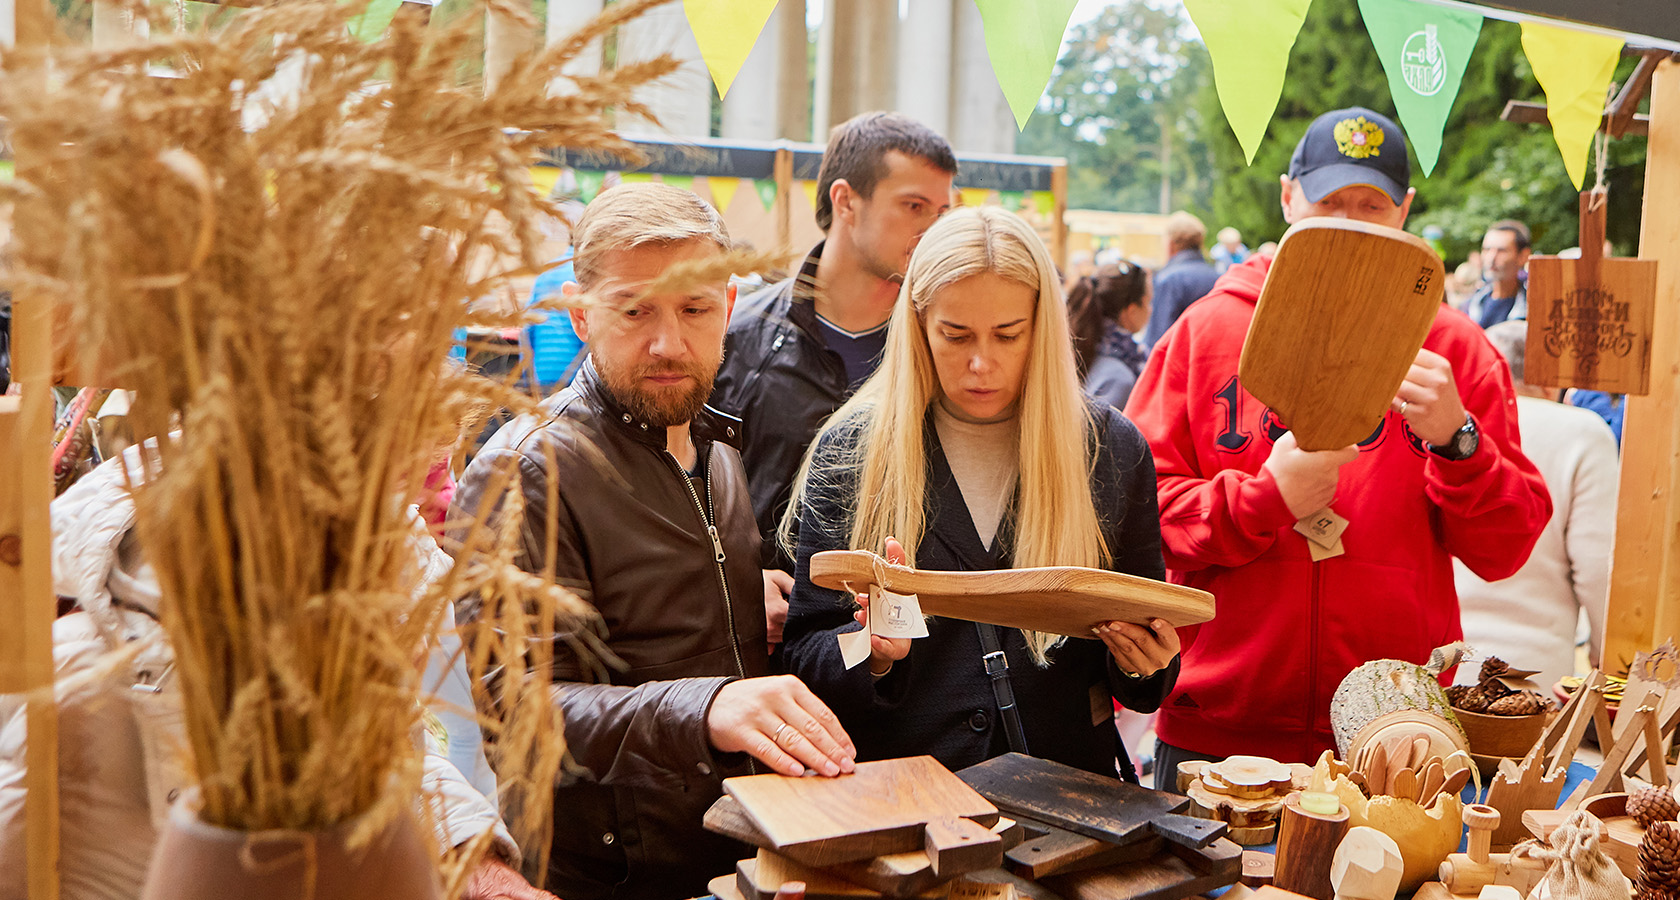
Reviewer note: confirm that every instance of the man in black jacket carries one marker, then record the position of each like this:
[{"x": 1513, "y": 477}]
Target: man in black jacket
[
  {"x": 635, "y": 499},
  {"x": 797, "y": 349}
]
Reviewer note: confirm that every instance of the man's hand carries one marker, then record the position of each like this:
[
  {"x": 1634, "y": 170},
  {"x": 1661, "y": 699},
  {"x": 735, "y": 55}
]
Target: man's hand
[
  {"x": 1307, "y": 480},
  {"x": 778, "y": 586},
  {"x": 883, "y": 651},
  {"x": 496, "y": 880},
  {"x": 779, "y": 722},
  {"x": 1138, "y": 650},
  {"x": 1429, "y": 400}
]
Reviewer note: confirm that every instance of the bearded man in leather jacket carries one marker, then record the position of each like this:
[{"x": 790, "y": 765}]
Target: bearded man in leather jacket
[{"x": 635, "y": 498}]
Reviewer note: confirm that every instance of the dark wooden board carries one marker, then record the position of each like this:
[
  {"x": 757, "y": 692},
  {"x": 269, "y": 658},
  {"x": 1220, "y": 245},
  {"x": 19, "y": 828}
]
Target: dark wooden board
[
  {"x": 726, "y": 817},
  {"x": 1105, "y": 808},
  {"x": 1062, "y": 851},
  {"x": 1176, "y": 873},
  {"x": 880, "y": 808}
]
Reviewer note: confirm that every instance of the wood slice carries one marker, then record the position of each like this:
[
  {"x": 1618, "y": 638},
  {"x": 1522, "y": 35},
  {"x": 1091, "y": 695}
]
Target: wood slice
[
  {"x": 1344, "y": 311},
  {"x": 1236, "y": 811},
  {"x": 1445, "y": 738},
  {"x": 1259, "y": 868},
  {"x": 1252, "y": 773},
  {"x": 1059, "y": 600},
  {"x": 1253, "y": 837},
  {"x": 1306, "y": 843},
  {"x": 1175, "y": 873},
  {"x": 1079, "y": 801},
  {"x": 879, "y": 808},
  {"x": 1212, "y": 783}
]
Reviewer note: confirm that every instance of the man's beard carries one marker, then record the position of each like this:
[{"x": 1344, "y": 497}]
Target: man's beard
[{"x": 662, "y": 407}]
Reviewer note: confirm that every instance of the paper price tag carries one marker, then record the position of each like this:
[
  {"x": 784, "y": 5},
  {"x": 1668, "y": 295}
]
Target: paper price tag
[
  {"x": 895, "y": 615},
  {"x": 1323, "y": 553},
  {"x": 854, "y": 647},
  {"x": 1323, "y": 528}
]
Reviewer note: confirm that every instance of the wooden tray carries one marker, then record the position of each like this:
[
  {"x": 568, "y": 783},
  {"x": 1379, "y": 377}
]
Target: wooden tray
[
  {"x": 1344, "y": 311},
  {"x": 880, "y": 808},
  {"x": 1058, "y": 600}
]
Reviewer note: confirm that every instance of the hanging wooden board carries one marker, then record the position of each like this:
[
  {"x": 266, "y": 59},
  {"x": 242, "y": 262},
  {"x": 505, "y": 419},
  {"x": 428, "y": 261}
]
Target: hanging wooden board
[
  {"x": 1590, "y": 320},
  {"x": 882, "y": 807},
  {"x": 1344, "y": 311},
  {"x": 1058, "y": 600}
]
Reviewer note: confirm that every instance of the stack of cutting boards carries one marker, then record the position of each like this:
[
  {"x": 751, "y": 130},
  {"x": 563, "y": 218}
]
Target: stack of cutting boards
[{"x": 1012, "y": 826}]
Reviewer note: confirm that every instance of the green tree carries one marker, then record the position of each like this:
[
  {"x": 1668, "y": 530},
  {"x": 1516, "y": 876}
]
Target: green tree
[
  {"x": 1489, "y": 169},
  {"x": 1121, "y": 106}
]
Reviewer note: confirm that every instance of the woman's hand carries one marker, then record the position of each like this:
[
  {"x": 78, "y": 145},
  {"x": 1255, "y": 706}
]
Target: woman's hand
[
  {"x": 1138, "y": 650},
  {"x": 883, "y": 651}
]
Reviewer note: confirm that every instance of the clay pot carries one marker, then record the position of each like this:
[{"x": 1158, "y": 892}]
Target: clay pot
[{"x": 197, "y": 861}]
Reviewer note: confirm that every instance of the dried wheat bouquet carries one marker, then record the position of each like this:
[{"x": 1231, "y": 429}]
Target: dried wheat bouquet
[{"x": 267, "y": 229}]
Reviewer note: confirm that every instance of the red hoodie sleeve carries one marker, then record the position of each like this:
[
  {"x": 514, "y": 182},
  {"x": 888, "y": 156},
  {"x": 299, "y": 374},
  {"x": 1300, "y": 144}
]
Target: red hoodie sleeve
[
  {"x": 1226, "y": 520},
  {"x": 1494, "y": 504}
]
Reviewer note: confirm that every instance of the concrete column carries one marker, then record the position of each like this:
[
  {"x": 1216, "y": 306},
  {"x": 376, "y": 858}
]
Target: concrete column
[
  {"x": 980, "y": 118},
  {"x": 682, "y": 101},
  {"x": 566, "y": 17},
  {"x": 833, "y": 42},
  {"x": 857, "y": 59},
  {"x": 924, "y": 63},
  {"x": 750, "y": 108},
  {"x": 877, "y": 59},
  {"x": 793, "y": 76}
]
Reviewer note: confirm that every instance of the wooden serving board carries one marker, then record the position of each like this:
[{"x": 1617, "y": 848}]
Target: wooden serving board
[
  {"x": 1178, "y": 872},
  {"x": 1087, "y": 804},
  {"x": 759, "y": 879},
  {"x": 1344, "y": 311},
  {"x": 1058, "y": 600},
  {"x": 880, "y": 808}
]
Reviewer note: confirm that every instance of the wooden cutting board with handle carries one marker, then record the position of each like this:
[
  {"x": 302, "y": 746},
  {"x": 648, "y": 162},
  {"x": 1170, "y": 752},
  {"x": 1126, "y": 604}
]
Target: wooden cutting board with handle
[
  {"x": 1076, "y": 800},
  {"x": 1059, "y": 600},
  {"x": 1345, "y": 309},
  {"x": 882, "y": 807}
]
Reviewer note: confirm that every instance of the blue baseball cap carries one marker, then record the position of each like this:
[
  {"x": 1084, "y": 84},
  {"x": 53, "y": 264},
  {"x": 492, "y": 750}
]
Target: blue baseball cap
[{"x": 1350, "y": 147}]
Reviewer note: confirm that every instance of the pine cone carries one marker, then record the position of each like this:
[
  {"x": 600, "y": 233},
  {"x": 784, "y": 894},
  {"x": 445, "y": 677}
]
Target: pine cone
[
  {"x": 1518, "y": 703},
  {"x": 1652, "y": 804},
  {"x": 1640, "y": 893},
  {"x": 1493, "y": 667},
  {"x": 1466, "y": 697},
  {"x": 1659, "y": 858}
]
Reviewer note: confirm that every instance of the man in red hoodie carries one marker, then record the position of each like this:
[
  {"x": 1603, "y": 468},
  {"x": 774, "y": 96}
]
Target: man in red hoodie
[{"x": 1443, "y": 475}]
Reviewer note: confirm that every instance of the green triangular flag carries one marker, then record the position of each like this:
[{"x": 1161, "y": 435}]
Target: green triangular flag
[
  {"x": 373, "y": 20},
  {"x": 1044, "y": 202},
  {"x": 1424, "y": 48},
  {"x": 1011, "y": 200},
  {"x": 686, "y": 182},
  {"x": 589, "y": 183},
  {"x": 1248, "y": 41},
  {"x": 766, "y": 190},
  {"x": 1023, "y": 38}
]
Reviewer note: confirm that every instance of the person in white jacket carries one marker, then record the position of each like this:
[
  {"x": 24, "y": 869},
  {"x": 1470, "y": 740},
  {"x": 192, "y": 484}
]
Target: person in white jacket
[
  {"x": 1530, "y": 619},
  {"x": 117, "y": 772}
]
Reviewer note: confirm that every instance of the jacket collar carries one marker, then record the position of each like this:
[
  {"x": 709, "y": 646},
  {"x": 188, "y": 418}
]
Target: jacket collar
[
  {"x": 802, "y": 295},
  {"x": 710, "y": 425}
]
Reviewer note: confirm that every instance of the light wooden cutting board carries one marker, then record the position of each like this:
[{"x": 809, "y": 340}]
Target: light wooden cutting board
[
  {"x": 1344, "y": 311},
  {"x": 1058, "y": 600}
]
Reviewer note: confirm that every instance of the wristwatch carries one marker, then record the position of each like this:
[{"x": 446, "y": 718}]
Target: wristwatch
[{"x": 1463, "y": 442}]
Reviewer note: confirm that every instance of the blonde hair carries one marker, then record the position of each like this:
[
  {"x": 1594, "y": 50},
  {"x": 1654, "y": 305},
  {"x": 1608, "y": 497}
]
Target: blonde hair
[
  {"x": 1056, "y": 521},
  {"x": 631, "y": 215}
]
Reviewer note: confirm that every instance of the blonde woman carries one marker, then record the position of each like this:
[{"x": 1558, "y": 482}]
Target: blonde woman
[{"x": 973, "y": 448}]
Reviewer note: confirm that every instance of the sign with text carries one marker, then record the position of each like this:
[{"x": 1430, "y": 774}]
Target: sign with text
[{"x": 1589, "y": 323}]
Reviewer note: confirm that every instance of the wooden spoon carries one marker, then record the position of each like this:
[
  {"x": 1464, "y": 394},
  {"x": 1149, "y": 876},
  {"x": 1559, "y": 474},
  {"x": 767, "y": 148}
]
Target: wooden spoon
[
  {"x": 1404, "y": 783},
  {"x": 1455, "y": 782},
  {"x": 1376, "y": 771},
  {"x": 1420, "y": 753},
  {"x": 1433, "y": 777}
]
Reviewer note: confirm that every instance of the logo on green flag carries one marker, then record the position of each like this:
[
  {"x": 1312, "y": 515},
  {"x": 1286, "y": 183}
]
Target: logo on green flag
[
  {"x": 1424, "y": 49},
  {"x": 766, "y": 190}
]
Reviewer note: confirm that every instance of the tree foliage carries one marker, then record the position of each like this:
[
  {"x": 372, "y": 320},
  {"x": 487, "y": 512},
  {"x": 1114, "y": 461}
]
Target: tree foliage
[{"x": 1122, "y": 108}]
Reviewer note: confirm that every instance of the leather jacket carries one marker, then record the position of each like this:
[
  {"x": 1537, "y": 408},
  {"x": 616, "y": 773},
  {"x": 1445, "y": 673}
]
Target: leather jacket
[
  {"x": 674, "y": 573},
  {"x": 782, "y": 381}
]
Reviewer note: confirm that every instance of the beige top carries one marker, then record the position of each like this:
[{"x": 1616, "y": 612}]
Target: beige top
[{"x": 984, "y": 458}]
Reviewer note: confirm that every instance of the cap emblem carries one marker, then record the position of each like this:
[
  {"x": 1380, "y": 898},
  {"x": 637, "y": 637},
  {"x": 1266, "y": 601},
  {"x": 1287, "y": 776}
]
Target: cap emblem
[{"x": 1358, "y": 138}]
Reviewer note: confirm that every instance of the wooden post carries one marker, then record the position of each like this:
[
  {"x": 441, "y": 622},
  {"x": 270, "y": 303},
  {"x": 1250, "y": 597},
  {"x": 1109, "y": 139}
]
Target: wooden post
[
  {"x": 1058, "y": 214},
  {"x": 784, "y": 197},
  {"x": 1306, "y": 843},
  {"x": 505, "y": 38},
  {"x": 1644, "y": 605}
]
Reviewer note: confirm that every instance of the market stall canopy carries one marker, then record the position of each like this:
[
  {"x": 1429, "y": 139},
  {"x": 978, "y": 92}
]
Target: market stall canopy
[{"x": 1644, "y": 22}]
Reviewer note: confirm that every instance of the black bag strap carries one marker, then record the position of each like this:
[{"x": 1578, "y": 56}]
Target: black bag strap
[{"x": 997, "y": 666}]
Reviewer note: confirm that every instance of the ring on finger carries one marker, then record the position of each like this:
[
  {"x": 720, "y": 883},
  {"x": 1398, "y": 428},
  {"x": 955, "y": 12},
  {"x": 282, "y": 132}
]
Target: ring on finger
[
  {"x": 1403, "y": 405},
  {"x": 777, "y": 737}
]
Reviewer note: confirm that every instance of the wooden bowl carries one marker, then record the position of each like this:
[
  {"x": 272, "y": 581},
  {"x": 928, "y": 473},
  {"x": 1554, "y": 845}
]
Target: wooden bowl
[
  {"x": 1623, "y": 832},
  {"x": 1497, "y": 736}
]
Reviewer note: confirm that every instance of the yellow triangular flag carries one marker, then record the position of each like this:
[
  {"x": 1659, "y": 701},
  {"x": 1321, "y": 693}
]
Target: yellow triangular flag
[
  {"x": 543, "y": 178},
  {"x": 975, "y": 196},
  {"x": 1574, "y": 69},
  {"x": 723, "y": 190},
  {"x": 810, "y": 189},
  {"x": 726, "y": 31},
  {"x": 1249, "y": 42}
]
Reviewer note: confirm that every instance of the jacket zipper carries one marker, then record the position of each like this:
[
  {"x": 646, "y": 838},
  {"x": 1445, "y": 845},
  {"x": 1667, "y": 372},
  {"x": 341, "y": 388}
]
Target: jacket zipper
[
  {"x": 1312, "y": 649},
  {"x": 718, "y": 556}
]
